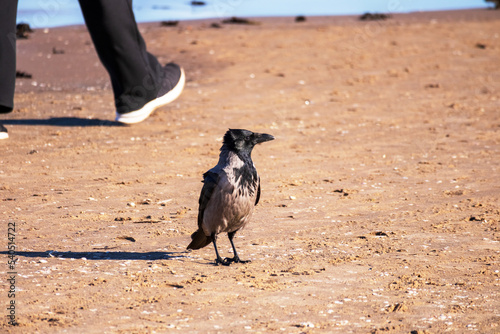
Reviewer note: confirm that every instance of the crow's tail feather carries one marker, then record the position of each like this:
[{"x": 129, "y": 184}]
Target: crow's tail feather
[{"x": 199, "y": 240}]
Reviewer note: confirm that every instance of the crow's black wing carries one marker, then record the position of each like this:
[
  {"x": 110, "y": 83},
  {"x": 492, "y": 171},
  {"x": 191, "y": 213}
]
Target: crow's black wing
[{"x": 210, "y": 180}]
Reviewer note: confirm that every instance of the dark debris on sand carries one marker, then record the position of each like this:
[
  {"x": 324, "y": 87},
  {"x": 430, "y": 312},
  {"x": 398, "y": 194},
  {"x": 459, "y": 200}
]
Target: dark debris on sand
[
  {"x": 238, "y": 20},
  {"x": 169, "y": 23},
  {"x": 23, "y": 30},
  {"x": 23, "y": 75},
  {"x": 374, "y": 17}
]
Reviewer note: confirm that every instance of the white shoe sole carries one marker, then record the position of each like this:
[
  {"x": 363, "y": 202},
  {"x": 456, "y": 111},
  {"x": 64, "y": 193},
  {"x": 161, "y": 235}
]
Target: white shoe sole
[
  {"x": 140, "y": 115},
  {"x": 4, "y": 135}
]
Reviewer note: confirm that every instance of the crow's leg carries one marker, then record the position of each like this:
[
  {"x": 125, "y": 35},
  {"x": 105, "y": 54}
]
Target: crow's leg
[
  {"x": 218, "y": 260},
  {"x": 236, "y": 258}
]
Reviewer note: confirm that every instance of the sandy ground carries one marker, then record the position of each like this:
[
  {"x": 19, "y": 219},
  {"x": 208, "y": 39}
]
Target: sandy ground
[{"x": 380, "y": 195}]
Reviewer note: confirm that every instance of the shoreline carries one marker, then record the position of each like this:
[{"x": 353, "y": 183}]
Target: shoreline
[{"x": 461, "y": 14}]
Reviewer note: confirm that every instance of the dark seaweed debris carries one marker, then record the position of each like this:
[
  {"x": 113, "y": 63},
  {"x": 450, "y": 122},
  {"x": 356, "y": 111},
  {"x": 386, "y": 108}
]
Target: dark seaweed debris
[
  {"x": 300, "y": 18},
  {"x": 169, "y": 23},
  {"x": 23, "y": 30},
  {"x": 57, "y": 51},
  {"x": 374, "y": 17},
  {"x": 23, "y": 75},
  {"x": 238, "y": 20}
]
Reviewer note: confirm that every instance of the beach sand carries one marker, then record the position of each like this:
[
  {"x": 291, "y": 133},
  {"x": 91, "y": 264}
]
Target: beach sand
[{"x": 380, "y": 203}]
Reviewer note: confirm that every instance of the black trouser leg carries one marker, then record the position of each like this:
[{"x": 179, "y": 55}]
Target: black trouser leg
[
  {"x": 135, "y": 74},
  {"x": 8, "y": 14}
]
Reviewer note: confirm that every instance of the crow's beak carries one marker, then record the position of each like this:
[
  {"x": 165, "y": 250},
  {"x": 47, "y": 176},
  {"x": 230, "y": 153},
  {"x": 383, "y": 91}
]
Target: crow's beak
[{"x": 262, "y": 137}]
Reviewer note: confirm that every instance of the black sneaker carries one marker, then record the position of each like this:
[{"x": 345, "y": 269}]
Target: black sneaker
[
  {"x": 172, "y": 87},
  {"x": 3, "y": 132}
]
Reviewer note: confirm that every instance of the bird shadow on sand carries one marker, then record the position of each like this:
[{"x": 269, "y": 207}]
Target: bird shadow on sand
[
  {"x": 103, "y": 255},
  {"x": 63, "y": 121}
]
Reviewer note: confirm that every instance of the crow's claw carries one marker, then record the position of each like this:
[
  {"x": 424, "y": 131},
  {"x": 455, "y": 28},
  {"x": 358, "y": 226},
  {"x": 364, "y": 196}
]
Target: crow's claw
[
  {"x": 236, "y": 259},
  {"x": 227, "y": 261},
  {"x": 224, "y": 262}
]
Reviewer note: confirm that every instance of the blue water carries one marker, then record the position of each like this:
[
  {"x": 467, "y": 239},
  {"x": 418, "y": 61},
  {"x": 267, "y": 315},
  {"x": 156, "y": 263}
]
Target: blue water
[{"x": 53, "y": 13}]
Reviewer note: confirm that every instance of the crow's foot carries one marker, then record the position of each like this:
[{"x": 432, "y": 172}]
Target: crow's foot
[
  {"x": 227, "y": 261},
  {"x": 236, "y": 259},
  {"x": 224, "y": 262}
]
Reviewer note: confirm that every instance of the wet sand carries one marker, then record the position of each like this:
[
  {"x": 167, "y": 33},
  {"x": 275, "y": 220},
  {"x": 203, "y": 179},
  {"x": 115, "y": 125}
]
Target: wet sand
[{"x": 380, "y": 197}]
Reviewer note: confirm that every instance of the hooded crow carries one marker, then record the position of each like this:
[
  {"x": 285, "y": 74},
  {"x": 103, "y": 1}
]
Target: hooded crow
[{"x": 230, "y": 191}]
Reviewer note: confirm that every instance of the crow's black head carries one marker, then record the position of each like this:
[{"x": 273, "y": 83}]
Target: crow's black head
[{"x": 243, "y": 141}]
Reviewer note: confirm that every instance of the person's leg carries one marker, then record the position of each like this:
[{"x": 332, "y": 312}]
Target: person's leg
[
  {"x": 136, "y": 76},
  {"x": 8, "y": 15}
]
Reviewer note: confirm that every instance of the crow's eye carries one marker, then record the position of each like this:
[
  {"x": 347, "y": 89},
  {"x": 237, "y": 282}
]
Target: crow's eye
[{"x": 247, "y": 138}]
